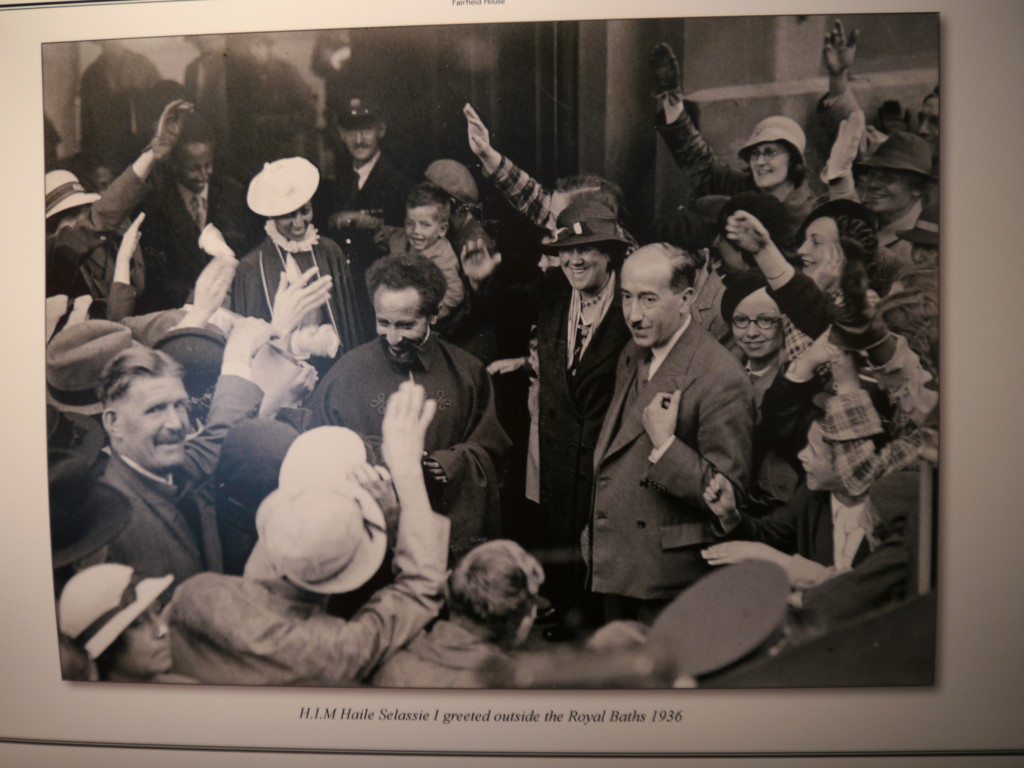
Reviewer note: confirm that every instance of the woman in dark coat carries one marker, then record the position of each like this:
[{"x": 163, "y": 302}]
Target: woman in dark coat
[{"x": 580, "y": 332}]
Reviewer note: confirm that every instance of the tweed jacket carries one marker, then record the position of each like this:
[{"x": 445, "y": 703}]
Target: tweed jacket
[{"x": 650, "y": 518}]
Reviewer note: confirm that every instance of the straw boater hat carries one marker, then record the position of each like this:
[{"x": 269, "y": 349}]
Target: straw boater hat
[
  {"x": 64, "y": 191},
  {"x": 283, "y": 186},
  {"x": 776, "y": 128},
  {"x": 101, "y": 602}
]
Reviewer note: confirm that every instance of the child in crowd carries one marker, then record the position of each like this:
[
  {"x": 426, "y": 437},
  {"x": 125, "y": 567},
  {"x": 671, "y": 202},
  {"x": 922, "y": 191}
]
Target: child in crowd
[{"x": 426, "y": 224}]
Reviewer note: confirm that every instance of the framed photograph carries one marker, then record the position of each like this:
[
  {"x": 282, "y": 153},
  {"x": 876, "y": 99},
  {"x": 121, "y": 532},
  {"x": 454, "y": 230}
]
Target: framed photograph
[{"x": 470, "y": 381}]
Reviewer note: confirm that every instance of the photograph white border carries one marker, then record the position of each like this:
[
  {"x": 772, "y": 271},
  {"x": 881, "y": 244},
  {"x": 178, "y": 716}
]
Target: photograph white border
[{"x": 977, "y": 702}]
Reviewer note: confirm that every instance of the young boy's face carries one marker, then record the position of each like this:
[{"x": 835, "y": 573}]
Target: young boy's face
[{"x": 423, "y": 227}]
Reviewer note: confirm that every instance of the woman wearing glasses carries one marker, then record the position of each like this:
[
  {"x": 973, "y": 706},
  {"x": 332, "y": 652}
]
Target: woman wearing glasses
[
  {"x": 756, "y": 324},
  {"x": 773, "y": 155}
]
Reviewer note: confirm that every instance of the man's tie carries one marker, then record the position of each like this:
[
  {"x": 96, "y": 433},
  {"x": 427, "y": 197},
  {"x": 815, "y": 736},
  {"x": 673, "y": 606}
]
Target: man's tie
[
  {"x": 197, "y": 207},
  {"x": 643, "y": 373}
]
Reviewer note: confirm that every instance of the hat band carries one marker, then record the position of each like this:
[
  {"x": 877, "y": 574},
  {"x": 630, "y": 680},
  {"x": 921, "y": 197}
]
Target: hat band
[
  {"x": 62, "y": 192},
  {"x": 74, "y": 396},
  {"x": 127, "y": 598},
  {"x": 592, "y": 228}
]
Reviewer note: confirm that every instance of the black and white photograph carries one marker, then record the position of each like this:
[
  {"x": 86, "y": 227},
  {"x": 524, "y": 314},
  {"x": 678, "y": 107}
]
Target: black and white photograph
[{"x": 552, "y": 355}]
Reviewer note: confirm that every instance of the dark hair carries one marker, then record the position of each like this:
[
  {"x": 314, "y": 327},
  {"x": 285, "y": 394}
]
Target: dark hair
[
  {"x": 134, "y": 363},
  {"x": 107, "y": 660},
  {"x": 409, "y": 270},
  {"x": 429, "y": 194},
  {"x": 491, "y": 588},
  {"x": 797, "y": 169},
  {"x": 197, "y": 130},
  {"x": 766, "y": 209}
]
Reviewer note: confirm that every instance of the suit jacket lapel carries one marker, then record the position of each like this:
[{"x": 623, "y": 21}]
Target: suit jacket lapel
[
  {"x": 611, "y": 437},
  {"x": 162, "y": 505},
  {"x": 703, "y": 307},
  {"x": 670, "y": 374}
]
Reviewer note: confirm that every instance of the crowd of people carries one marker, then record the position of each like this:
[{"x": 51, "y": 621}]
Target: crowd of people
[{"x": 279, "y": 411}]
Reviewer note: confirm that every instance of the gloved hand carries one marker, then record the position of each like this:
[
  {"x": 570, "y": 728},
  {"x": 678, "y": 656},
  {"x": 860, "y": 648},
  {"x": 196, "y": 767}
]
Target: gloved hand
[{"x": 664, "y": 69}]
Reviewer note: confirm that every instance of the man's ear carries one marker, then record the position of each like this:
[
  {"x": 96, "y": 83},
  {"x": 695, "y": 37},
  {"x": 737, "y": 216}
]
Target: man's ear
[
  {"x": 109, "y": 418},
  {"x": 444, "y": 228},
  {"x": 687, "y": 296},
  {"x": 382, "y": 129},
  {"x": 432, "y": 320}
]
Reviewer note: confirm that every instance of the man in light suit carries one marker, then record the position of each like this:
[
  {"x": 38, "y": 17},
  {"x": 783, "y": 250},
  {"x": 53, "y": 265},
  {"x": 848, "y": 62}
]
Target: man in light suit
[{"x": 682, "y": 408}]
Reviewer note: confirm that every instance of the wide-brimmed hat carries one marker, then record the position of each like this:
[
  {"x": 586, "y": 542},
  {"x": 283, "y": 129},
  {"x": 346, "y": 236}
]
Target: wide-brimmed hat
[
  {"x": 200, "y": 353},
  {"x": 776, "y": 128},
  {"x": 101, "y": 602},
  {"x": 75, "y": 359},
  {"x": 328, "y": 540},
  {"x": 64, "y": 191},
  {"x": 83, "y": 516},
  {"x": 926, "y": 229},
  {"x": 722, "y": 618},
  {"x": 587, "y": 220},
  {"x": 903, "y": 152},
  {"x": 454, "y": 178},
  {"x": 321, "y": 457},
  {"x": 282, "y": 186},
  {"x": 358, "y": 113}
]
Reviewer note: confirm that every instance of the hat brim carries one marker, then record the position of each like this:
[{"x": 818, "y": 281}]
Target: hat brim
[
  {"x": 74, "y": 200},
  {"x": 92, "y": 409},
  {"x": 897, "y": 167},
  {"x": 918, "y": 236},
  {"x": 146, "y": 593},
  {"x": 111, "y": 514},
  {"x": 554, "y": 246},
  {"x": 737, "y": 608},
  {"x": 365, "y": 561}
]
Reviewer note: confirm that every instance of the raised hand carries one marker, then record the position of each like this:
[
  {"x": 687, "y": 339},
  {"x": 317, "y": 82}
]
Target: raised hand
[
  {"x": 211, "y": 240},
  {"x": 129, "y": 245},
  {"x": 168, "y": 129},
  {"x": 211, "y": 289},
  {"x": 434, "y": 470},
  {"x": 478, "y": 263},
  {"x": 848, "y": 143},
  {"x": 746, "y": 232},
  {"x": 79, "y": 309},
  {"x": 403, "y": 431},
  {"x": 839, "y": 49},
  {"x": 56, "y": 308},
  {"x": 480, "y": 140},
  {"x": 296, "y": 297},
  {"x": 664, "y": 69},
  {"x": 246, "y": 339}
]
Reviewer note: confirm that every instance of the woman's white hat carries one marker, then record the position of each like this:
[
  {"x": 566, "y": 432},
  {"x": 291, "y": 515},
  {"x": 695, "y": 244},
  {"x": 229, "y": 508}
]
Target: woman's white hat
[
  {"x": 283, "y": 186},
  {"x": 101, "y": 602}
]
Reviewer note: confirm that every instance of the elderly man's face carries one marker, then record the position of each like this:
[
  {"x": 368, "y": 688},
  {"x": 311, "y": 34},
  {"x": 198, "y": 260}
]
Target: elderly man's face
[
  {"x": 363, "y": 143},
  {"x": 400, "y": 318},
  {"x": 148, "y": 424},
  {"x": 888, "y": 194},
  {"x": 652, "y": 309}
]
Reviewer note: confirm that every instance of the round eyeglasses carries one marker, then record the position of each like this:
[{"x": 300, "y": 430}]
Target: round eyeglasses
[
  {"x": 764, "y": 322},
  {"x": 768, "y": 153}
]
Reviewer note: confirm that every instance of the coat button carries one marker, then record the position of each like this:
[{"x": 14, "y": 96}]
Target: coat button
[{"x": 641, "y": 524}]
